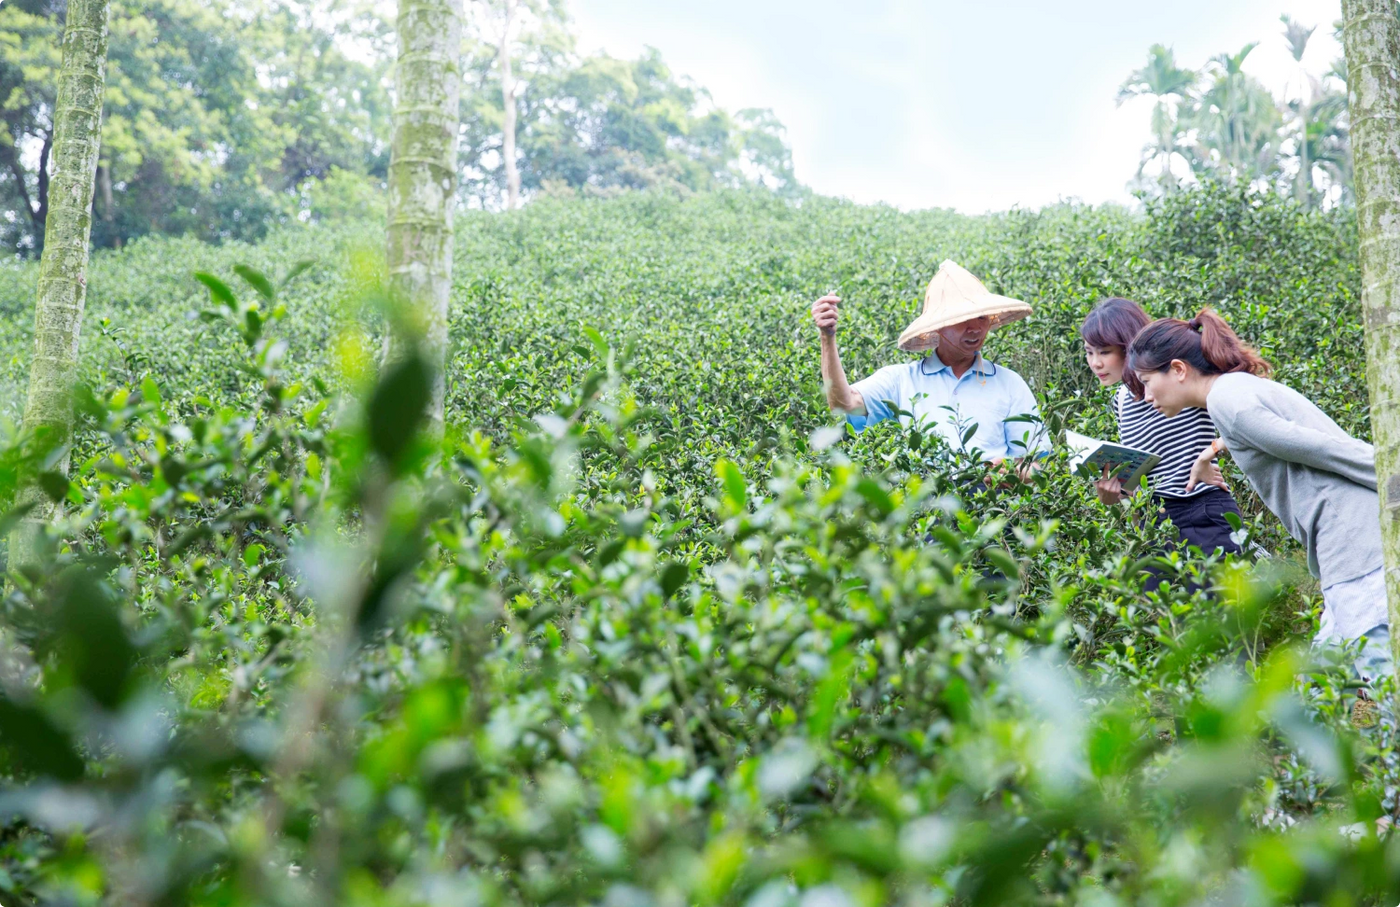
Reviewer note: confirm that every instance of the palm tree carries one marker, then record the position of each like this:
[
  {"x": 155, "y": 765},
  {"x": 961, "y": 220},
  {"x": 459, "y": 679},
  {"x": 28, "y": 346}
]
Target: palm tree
[
  {"x": 1331, "y": 124},
  {"x": 1163, "y": 80},
  {"x": 1228, "y": 94},
  {"x": 1236, "y": 121},
  {"x": 1297, "y": 36},
  {"x": 1327, "y": 144},
  {"x": 1303, "y": 87}
]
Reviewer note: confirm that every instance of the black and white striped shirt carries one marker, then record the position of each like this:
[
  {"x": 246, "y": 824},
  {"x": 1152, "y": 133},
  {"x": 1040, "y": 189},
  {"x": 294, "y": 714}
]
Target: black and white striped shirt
[{"x": 1178, "y": 441}]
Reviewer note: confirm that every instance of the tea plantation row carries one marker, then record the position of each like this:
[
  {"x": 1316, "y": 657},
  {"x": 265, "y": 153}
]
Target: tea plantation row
[{"x": 644, "y": 628}]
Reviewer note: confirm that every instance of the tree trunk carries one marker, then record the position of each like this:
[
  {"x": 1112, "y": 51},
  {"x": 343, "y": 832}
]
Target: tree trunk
[
  {"x": 1305, "y": 168},
  {"x": 1166, "y": 140},
  {"x": 62, "y": 291},
  {"x": 42, "y": 213},
  {"x": 423, "y": 178},
  {"x": 17, "y": 173},
  {"x": 508, "y": 100},
  {"x": 1371, "y": 37},
  {"x": 104, "y": 180}
]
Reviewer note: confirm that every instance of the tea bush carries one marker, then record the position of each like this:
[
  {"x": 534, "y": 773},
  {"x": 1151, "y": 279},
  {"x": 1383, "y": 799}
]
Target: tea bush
[{"x": 645, "y": 627}]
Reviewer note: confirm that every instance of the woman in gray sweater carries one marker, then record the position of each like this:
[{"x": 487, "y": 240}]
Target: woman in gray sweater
[{"x": 1318, "y": 480}]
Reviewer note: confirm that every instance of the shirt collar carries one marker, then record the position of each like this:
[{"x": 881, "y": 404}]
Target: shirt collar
[{"x": 932, "y": 365}]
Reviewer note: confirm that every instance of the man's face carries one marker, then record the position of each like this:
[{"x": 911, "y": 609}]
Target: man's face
[{"x": 966, "y": 336}]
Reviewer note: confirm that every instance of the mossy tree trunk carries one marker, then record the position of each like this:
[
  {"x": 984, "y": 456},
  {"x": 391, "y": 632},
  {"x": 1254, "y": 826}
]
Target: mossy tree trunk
[
  {"x": 423, "y": 178},
  {"x": 1371, "y": 36},
  {"x": 62, "y": 291}
]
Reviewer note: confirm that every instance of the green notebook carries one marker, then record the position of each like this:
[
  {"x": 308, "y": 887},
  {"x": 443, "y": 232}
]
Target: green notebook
[{"x": 1089, "y": 456}]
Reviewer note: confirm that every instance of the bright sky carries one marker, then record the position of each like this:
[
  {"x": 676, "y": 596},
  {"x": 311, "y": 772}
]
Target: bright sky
[{"x": 947, "y": 103}]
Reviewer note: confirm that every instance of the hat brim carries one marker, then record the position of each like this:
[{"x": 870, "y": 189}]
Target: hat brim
[{"x": 922, "y": 334}]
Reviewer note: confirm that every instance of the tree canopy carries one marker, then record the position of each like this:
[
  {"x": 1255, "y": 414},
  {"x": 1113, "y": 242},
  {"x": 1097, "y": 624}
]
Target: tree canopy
[
  {"x": 598, "y": 124},
  {"x": 1222, "y": 123},
  {"x": 224, "y": 118},
  {"x": 217, "y": 114}
]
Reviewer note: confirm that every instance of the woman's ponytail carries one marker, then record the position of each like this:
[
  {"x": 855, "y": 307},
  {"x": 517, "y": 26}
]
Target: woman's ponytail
[
  {"x": 1206, "y": 343},
  {"x": 1223, "y": 348}
]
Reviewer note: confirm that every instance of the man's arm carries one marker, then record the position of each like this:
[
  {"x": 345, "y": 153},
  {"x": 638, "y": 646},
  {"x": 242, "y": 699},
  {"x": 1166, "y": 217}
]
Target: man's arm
[
  {"x": 1025, "y": 433},
  {"x": 840, "y": 396}
]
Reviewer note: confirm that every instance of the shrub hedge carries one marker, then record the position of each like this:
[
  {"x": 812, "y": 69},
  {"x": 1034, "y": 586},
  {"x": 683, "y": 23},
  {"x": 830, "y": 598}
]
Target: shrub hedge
[{"x": 645, "y": 627}]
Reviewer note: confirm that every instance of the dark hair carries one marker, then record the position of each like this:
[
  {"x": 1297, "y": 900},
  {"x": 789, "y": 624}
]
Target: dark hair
[
  {"x": 1114, "y": 322},
  {"x": 1205, "y": 343}
]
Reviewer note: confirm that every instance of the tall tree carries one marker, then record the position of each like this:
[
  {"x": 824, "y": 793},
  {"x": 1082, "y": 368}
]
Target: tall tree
[
  {"x": 1236, "y": 121},
  {"x": 220, "y": 115},
  {"x": 607, "y": 125},
  {"x": 1327, "y": 149},
  {"x": 1164, "y": 81},
  {"x": 1303, "y": 87},
  {"x": 512, "y": 7},
  {"x": 1371, "y": 37},
  {"x": 596, "y": 124},
  {"x": 423, "y": 178},
  {"x": 509, "y": 45},
  {"x": 62, "y": 291}
]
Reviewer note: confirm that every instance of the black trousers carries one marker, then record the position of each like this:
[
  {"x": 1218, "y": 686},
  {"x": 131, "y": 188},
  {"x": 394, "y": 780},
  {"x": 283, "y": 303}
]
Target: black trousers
[{"x": 1200, "y": 520}]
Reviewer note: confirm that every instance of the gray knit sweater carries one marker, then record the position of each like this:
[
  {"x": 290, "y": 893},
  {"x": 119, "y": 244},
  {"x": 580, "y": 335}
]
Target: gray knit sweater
[{"x": 1318, "y": 480}]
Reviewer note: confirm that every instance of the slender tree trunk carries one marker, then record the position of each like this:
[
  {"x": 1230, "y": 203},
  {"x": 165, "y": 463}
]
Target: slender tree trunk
[
  {"x": 104, "y": 180},
  {"x": 423, "y": 177},
  {"x": 1305, "y": 167},
  {"x": 1167, "y": 141},
  {"x": 7, "y": 152},
  {"x": 1371, "y": 37},
  {"x": 44, "y": 156},
  {"x": 508, "y": 100},
  {"x": 58, "y": 311}
]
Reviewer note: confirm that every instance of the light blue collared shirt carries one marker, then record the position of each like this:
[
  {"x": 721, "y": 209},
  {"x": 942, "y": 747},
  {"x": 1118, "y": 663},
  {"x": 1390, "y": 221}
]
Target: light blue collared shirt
[{"x": 987, "y": 396}]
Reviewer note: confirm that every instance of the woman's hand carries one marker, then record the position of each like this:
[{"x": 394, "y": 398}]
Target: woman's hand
[
  {"x": 1205, "y": 471},
  {"x": 1110, "y": 488}
]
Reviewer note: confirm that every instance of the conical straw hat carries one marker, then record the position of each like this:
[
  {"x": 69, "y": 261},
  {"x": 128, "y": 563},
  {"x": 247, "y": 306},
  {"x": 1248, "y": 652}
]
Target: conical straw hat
[{"x": 955, "y": 296}]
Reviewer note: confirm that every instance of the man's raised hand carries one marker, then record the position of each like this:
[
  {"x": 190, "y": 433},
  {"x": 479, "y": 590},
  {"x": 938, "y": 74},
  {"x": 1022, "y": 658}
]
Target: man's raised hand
[{"x": 825, "y": 312}]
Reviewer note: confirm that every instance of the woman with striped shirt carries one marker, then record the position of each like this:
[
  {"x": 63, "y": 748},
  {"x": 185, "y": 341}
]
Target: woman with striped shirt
[{"x": 1198, "y": 513}]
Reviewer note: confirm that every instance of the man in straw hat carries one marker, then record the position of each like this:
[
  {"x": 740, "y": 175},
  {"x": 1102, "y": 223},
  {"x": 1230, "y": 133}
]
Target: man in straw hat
[{"x": 953, "y": 388}]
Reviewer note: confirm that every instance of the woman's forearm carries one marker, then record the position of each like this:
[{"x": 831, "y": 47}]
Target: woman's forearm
[{"x": 1207, "y": 456}]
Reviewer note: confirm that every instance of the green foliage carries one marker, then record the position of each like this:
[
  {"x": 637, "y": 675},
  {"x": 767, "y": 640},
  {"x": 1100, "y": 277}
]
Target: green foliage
[
  {"x": 216, "y": 116},
  {"x": 1220, "y": 123},
  {"x": 645, "y": 627},
  {"x": 598, "y": 125},
  {"x": 225, "y": 119}
]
